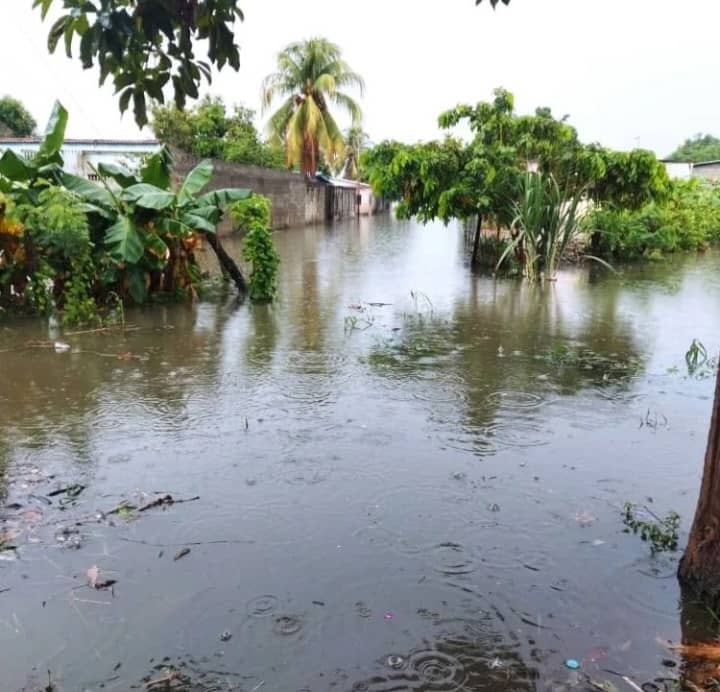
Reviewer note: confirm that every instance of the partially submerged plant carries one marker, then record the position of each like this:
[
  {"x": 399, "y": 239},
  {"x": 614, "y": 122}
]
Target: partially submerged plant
[
  {"x": 696, "y": 356},
  {"x": 699, "y": 362},
  {"x": 252, "y": 215},
  {"x": 547, "y": 222},
  {"x": 661, "y": 534}
]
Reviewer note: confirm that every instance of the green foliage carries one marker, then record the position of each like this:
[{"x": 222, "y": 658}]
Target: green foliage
[
  {"x": 697, "y": 149},
  {"x": 58, "y": 222},
  {"x": 24, "y": 178},
  {"x": 253, "y": 216},
  {"x": 661, "y": 534},
  {"x": 689, "y": 219},
  {"x": 310, "y": 76},
  {"x": 355, "y": 143},
  {"x": 145, "y": 46},
  {"x": 39, "y": 292},
  {"x": 485, "y": 177},
  {"x": 547, "y": 220},
  {"x": 79, "y": 307},
  {"x": 628, "y": 179},
  {"x": 253, "y": 211},
  {"x": 208, "y": 131},
  {"x": 16, "y": 118},
  {"x": 72, "y": 241}
]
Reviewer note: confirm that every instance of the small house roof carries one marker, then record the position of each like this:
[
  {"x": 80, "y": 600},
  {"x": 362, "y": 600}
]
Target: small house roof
[
  {"x": 340, "y": 182},
  {"x": 700, "y": 164}
]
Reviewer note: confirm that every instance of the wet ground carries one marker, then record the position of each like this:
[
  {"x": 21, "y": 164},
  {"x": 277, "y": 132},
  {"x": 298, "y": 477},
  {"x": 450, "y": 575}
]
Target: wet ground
[{"x": 399, "y": 477}]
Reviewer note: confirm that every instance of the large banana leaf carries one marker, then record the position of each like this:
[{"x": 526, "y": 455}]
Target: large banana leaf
[
  {"x": 197, "y": 222},
  {"x": 54, "y": 135},
  {"x": 210, "y": 213},
  {"x": 174, "y": 227},
  {"x": 195, "y": 181},
  {"x": 157, "y": 246},
  {"x": 136, "y": 283},
  {"x": 87, "y": 190},
  {"x": 157, "y": 168},
  {"x": 223, "y": 197},
  {"x": 14, "y": 167},
  {"x": 124, "y": 241},
  {"x": 121, "y": 175},
  {"x": 148, "y": 196}
]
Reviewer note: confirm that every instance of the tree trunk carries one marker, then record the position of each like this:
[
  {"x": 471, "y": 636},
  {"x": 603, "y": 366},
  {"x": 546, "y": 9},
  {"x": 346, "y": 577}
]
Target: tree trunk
[
  {"x": 475, "y": 261},
  {"x": 227, "y": 263},
  {"x": 310, "y": 155},
  {"x": 700, "y": 566}
]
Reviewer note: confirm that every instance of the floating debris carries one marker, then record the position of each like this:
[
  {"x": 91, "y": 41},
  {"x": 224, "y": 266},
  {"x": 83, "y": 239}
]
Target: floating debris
[{"x": 181, "y": 554}]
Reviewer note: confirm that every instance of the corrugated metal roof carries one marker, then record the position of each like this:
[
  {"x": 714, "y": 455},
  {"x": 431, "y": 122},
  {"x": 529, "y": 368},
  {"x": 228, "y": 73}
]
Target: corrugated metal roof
[
  {"x": 340, "y": 182},
  {"x": 706, "y": 163}
]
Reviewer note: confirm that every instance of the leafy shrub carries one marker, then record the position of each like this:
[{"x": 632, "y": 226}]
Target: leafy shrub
[
  {"x": 207, "y": 130},
  {"x": 58, "y": 222},
  {"x": 80, "y": 307},
  {"x": 252, "y": 211},
  {"x": 253, "y": 216},
  {"x": 16, "y": 118},
  {"x": 39, "y": 293},
  {"x": 688, "y": 220}
]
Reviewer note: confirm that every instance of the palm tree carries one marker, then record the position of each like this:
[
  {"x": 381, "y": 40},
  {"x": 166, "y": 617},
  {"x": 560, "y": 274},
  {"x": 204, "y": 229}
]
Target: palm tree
[
  {"x": 355, "y": 140},
  {"x": 311, "y": 75}
]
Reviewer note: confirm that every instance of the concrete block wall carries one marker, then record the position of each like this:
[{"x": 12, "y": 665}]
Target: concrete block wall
[{"x": 296, "y": 201}]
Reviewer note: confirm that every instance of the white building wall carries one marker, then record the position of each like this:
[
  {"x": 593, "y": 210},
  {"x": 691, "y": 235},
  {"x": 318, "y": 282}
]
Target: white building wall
[
  {"x": 678, "y": 170},
  {"x": 81, "y": 158}
]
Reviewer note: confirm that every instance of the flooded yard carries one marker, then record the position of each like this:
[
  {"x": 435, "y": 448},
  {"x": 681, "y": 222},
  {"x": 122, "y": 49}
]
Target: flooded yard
[{"x": 399, "y": 477}]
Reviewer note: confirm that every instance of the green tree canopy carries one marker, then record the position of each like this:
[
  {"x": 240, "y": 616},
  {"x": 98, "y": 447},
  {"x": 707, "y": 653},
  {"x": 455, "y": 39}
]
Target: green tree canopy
[
  {"x": 696, "y": 149},
  {"x": 310, "y": 76},
  {"x": 207, "y": 130},
  {"x": 15, "y": 118},
  {"x": 146, "y": 44},
  {"x": 453, "y": 179}
]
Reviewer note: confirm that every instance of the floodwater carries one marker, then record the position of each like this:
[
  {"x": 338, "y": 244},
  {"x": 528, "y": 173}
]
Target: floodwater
[{"x": 408, "y": 478}]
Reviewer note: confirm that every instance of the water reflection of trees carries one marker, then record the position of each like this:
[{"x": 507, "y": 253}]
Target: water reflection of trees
[
  {"x": 51, "y": 398},
  {"x": 700, "y": 649},
  {"x": 514, "y": 337}
]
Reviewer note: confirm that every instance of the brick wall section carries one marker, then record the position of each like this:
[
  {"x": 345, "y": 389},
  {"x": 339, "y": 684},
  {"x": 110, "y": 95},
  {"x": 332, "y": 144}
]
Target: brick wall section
[{"x": 295, "y": 201}]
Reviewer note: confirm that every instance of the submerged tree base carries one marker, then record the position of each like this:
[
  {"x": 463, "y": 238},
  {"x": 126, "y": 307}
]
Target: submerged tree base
[{"x": 700, "y": 566}]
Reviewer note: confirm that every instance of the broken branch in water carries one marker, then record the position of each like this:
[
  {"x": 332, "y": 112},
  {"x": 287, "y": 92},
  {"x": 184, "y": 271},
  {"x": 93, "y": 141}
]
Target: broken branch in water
[
  {"x": 166, "y": 500},
  {"x": 221, "y": 541},
  {"x": 101, "y": 330},
  {"x": 165, "y": 681},
  {"x": 181, "y": 554}
]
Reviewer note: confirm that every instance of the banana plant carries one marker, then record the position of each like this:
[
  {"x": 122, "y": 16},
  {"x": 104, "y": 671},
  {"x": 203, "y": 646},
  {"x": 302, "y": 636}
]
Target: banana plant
[
  {"x": 25, "y": 178},
  {"x": 144, "y": 221}
]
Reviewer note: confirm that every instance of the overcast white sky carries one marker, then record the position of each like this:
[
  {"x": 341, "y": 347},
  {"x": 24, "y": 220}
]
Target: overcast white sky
[{"x": 628, "y": 72}]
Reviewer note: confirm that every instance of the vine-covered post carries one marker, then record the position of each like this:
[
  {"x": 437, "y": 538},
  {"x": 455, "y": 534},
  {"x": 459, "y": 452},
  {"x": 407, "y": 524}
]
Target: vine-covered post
[{"x": 252, "y": 216}]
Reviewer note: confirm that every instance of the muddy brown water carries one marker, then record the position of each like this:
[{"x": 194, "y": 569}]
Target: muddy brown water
[{"x": 408, "y": 478}]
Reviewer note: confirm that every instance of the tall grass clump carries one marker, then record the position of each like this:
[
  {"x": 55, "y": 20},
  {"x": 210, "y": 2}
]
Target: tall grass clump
[{"x": 547, "y": 221}]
